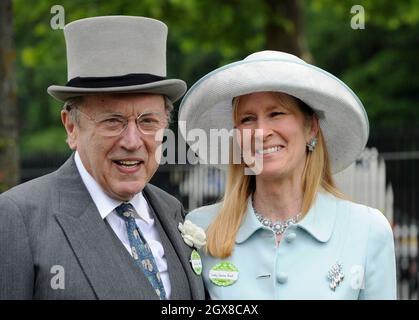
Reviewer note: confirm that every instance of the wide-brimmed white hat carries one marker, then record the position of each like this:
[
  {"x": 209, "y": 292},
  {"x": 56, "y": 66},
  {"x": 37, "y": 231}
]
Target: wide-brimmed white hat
[
  {"x": 342, "y": 117},
  {"x": 117, "y": 54}
]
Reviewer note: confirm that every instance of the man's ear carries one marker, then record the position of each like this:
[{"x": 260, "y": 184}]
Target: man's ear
[{"x": 71, "y": 128}]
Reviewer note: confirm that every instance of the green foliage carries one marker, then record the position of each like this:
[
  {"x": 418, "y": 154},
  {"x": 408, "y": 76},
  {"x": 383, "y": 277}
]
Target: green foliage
[
  {"x": 378, "y": 63},
  {"x": 46, "y": 141}
]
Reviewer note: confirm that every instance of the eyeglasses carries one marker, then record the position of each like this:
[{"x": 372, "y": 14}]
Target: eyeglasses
[{"x": 112, "y": 125}]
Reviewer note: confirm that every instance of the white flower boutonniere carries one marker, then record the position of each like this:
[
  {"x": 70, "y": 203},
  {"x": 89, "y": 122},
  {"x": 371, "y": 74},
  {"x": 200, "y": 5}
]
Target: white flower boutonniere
[{"x": 193, "y": 235}]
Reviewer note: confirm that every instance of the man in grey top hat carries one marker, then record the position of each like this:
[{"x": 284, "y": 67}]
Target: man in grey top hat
[{"x": 95, "y": 228}]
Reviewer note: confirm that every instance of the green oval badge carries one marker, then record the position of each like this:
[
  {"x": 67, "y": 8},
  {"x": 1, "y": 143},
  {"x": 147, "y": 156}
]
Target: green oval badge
[
  {"x": 224, "y": 274},
  {"x": 196, "y": 262}
]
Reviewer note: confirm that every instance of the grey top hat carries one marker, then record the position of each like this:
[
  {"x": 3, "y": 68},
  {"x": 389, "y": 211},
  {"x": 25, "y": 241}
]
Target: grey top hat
[
  {"x": 342, "y": 117},
  {"x": 117, "y": 54}
]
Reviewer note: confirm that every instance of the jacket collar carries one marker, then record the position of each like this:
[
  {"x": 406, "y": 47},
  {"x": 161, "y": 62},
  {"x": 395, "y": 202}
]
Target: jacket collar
[
  {"x": 318, "y": 222},
  {"x": 167, "y": 217}
]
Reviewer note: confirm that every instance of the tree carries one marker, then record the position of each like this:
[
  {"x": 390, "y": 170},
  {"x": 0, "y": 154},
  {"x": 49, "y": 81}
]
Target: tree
[
  {"x": 9, "y": 164},
  {"x": 379, "y": 62},
  {"x": 284, "y": 29}
]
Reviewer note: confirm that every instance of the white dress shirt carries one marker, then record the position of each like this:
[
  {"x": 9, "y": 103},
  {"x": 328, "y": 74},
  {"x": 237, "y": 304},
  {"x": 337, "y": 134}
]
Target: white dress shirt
[{"x": 145, "y": 222}]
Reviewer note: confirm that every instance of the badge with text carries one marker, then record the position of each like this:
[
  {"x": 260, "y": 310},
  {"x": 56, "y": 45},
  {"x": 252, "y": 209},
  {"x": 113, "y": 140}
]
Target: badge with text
[
  {"x": 196, "y": 262},
  {"x": 224, "y": 274}
]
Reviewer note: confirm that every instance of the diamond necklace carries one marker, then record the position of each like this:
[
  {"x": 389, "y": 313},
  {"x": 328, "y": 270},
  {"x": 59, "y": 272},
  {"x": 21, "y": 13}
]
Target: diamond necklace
[{"x": 278, "y": 227}]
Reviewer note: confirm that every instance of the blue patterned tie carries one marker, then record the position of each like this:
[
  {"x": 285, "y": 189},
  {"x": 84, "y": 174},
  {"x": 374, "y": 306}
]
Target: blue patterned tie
[{"x": 140, "y": 250}]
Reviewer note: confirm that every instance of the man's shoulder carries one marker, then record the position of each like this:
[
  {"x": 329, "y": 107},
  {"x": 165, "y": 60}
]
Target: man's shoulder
[
  {"x": 41, "y": 186},
  {"x": 161, "y": 195},
  {"x": 32, "y": 189},
  {"x": 365, "y": 220},
  {"x": 28, "y": 201}
]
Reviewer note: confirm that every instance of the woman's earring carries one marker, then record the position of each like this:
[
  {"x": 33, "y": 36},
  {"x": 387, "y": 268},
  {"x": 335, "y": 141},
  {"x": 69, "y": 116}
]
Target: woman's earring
[{"x": 312, "y": 144}]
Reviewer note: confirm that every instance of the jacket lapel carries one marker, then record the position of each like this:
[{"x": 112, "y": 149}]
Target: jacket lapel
[
  {"x": 167, "y": 218},
  {"x": 179, "y": 282},
  {"x": 109, "y": 268}
]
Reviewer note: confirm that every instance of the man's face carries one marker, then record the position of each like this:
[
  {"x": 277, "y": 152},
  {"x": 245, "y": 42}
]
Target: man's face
[{"x": 122, "y": 164}]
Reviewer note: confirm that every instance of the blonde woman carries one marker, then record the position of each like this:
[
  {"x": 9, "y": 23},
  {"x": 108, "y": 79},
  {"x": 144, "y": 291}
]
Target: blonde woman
[{"x": 287, "y": 232}]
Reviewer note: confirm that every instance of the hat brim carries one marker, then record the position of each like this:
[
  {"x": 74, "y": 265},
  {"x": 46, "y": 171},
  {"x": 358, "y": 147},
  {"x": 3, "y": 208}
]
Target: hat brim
[
  {"x": 342, "y": 117},
  {"x": 174, "y": 89}
]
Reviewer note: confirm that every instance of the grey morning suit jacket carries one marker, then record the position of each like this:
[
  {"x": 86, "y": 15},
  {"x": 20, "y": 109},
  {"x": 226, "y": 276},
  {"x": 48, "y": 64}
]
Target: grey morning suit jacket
[{"x": 53, "y": 221}]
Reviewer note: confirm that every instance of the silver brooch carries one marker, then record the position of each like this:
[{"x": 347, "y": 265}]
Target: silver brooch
[{"x": 335, "y": 275}]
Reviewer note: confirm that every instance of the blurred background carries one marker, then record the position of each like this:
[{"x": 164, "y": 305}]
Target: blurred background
[{"x": 373, "y": 46}]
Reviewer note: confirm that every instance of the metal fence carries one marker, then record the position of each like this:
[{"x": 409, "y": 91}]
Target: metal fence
[
  {"x": 365, "y": 182},
  {"x": 193, "y": 185},
  {"x": 400, "y": 150}
]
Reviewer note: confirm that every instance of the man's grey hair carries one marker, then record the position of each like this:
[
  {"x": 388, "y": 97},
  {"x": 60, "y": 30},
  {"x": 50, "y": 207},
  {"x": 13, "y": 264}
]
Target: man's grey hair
[{"x": 71, "y": 105}]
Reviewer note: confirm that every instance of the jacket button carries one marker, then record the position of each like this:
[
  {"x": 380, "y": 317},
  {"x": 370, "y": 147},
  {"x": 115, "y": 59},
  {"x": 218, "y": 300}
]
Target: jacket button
[
  {"x": 282, "y": 277},
  {"x": 290, "y": 237}
]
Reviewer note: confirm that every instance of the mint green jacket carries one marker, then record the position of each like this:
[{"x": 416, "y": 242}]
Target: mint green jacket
[{"x": 333, "y": 231}]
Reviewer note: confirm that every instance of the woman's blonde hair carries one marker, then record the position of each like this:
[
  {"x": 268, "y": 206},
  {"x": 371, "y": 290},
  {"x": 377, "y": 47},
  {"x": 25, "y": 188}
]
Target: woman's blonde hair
[{"x": 221, "y": 234}]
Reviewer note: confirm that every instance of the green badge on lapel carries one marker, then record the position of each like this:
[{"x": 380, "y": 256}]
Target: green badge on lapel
[
  {"x": 224, "y": 274},
  {"x": 196, "y": 262}
]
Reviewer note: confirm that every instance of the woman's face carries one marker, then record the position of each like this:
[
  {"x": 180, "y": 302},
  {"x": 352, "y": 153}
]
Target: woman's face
[{"x": 281, "y": 150}]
